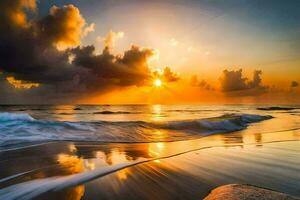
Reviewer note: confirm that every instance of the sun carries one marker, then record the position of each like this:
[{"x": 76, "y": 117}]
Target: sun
[{"x": 157, "y": 83}]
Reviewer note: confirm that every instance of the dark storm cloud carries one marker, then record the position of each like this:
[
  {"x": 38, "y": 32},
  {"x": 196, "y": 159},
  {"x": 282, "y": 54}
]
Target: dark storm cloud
[
  {"x": 38, "y": 50},
  {"x": 126, "y": 70},
  {"x": 25, "y": 51},
  {"x": 234, "y": 81},
  {"x": 12, "y": 13}
]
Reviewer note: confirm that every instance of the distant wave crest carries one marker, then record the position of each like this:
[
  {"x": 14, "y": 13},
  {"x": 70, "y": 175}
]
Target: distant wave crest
[
  {"x": 107, "y": 112},
  {"x": 276, "y": 108},
  {"x": 6, "y": 116}
]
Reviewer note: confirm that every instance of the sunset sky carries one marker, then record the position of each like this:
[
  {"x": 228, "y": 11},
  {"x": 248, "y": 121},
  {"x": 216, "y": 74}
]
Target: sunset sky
[{"x": 159, "y": 51}]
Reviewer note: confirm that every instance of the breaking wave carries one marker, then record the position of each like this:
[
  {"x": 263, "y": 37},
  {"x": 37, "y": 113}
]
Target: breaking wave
[{"x": 21, "y": 128}]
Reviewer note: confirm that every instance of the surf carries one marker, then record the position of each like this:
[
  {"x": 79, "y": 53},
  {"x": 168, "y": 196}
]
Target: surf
[{"x": 21, "y": 129}]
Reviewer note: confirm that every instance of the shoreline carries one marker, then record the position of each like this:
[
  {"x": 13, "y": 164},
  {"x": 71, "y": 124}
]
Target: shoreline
[{"x": 245, "y": 163}]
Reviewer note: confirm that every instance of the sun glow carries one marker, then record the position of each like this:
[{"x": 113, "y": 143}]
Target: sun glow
[{"x": 157, "y": 83}]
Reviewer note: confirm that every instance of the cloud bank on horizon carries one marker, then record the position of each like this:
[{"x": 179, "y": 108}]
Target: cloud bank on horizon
[
  {"x": 46, "y": 52},
  {"x": 42, "y": 58}
]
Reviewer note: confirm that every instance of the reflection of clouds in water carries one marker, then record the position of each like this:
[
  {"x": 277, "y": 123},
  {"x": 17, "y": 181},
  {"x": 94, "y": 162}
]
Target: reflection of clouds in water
[
  {"x": 70, "y": 164},
  {"x": 96, "y": 156},
  {"x": 240, "y": 139},
  {"x": 113, "y": 153},
  {"x": 89, "y": 164},
  {"x": 72, "y": 148},
  {"x": 234, "y": 139},
  {"x": 195, "y": 173},
  {"x": 102, "y": 155},
  {"x": 115, "y": 156},
  {"x": 123, "y": 174},
  {"x": 75, "y": 193},
  {"x": 122, "y": 153}
]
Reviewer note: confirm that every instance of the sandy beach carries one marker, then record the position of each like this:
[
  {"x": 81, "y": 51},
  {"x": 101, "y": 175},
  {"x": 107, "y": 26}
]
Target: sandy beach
[{"x": 187, "y": 169}]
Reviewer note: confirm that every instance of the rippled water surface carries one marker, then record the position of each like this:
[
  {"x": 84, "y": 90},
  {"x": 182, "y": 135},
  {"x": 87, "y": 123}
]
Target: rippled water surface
[{"x": 146, "y": 152}]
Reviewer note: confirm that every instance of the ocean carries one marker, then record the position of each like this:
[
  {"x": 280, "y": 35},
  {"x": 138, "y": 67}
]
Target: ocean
[{"x": 146, "y": 151}]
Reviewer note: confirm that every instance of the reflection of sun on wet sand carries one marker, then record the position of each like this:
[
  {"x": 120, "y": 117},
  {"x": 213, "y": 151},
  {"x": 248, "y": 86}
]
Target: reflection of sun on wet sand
[{"x": 197, "y": 167}]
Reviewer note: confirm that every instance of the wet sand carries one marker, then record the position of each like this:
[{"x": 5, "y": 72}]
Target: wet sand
[{"x": 170, "y": 170}]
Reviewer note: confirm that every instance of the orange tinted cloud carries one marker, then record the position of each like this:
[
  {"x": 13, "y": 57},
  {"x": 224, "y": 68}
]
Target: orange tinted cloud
[
  {"x": 111, "y": 37},
  {"x": 63, "y": 26},
  {"x": 12, "y": 12},
  {"x": 166, "y": 75},
  {"x": 19, "y": 84}
]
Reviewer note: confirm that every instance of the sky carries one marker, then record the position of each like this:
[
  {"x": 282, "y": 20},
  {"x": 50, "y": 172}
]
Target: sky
[{"x": 115, "y": 51}]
